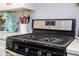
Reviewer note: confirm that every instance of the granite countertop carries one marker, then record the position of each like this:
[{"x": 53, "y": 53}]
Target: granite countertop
[{"x": 73, "y": 48}]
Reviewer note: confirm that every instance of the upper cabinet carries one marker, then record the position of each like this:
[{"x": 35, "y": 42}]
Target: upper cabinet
[
  {"x": 16, "y": 7},
  {"x": 29, "y": 6}
]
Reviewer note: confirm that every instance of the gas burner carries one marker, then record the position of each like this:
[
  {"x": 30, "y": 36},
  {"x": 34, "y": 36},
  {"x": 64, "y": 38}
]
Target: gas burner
[
  {"x": 47, "y": 39},
  {"x": 31, "y": 37},
  {"x": 28, "y": 36},
  {"x": 55, "y": 40}
]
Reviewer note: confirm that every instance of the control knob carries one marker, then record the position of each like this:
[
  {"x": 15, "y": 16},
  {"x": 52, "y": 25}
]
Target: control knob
[
  {"x": 49, "y": 54},
  {"x": 39, "y": 53},
  {"x": 16, "y": 47},
  {"x": 26, "y": 50},
  {"x": 10, "y": 46}
]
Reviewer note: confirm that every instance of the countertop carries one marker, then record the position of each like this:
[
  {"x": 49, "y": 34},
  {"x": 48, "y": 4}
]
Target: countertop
[
  {"x": 5, "y": 34},
  {"x": 73, "y": 48}
]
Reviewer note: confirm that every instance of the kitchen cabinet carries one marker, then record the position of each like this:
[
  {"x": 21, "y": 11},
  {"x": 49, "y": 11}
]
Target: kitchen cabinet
[
  {"x": 15, "y": 7},
  {"x": 11, "y": 6}
]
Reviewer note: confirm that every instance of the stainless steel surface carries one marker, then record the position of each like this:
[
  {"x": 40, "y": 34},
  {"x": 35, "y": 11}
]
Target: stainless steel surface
[{"x": 59, "y": 24}]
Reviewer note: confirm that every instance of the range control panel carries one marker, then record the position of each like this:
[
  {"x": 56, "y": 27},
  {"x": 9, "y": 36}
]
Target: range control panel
[{"x": 53, "y": 24}]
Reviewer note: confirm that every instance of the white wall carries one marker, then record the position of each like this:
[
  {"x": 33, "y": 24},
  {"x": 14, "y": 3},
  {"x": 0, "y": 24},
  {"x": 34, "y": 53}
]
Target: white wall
[
  {"x": 77, "y": 20},
  {"x": 54, "y": 10}
]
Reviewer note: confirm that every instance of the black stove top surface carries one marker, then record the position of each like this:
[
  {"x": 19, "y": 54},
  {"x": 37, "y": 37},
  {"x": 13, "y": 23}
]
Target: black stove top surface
[{"x": 44, "y": 39}]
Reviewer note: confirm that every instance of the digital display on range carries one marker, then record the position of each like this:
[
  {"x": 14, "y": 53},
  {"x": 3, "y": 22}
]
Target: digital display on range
[{"x": 50, "y": 23}]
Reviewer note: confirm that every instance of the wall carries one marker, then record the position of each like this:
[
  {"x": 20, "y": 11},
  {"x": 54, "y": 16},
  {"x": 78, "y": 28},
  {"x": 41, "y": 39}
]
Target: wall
[
  {"x": 54, "y": 10},
  {"x": 77, "y": 20}
]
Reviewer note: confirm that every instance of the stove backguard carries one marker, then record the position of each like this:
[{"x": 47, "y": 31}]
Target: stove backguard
[{"x": 54, "y": 26}]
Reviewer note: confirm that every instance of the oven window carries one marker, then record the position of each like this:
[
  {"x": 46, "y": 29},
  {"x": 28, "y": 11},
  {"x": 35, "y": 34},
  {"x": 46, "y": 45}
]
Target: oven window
[{"x": 50, "y": 23}]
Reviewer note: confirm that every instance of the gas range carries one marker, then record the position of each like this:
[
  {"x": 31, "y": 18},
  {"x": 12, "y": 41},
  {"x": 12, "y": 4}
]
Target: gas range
[{"x": 43, "y": 41}]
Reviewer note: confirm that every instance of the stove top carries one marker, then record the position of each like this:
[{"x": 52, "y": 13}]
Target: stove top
[
  {"x": 49, "y": 37},
  {"x": 44, "y": 39}
]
